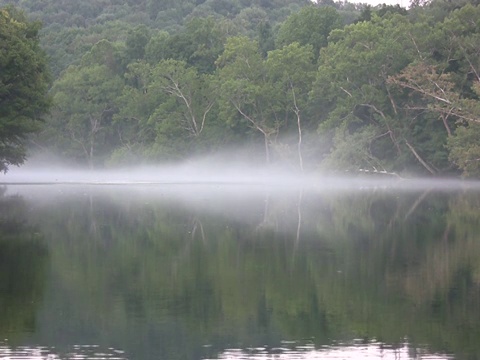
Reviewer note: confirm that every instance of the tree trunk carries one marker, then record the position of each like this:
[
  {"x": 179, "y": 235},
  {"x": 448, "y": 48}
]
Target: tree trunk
[
  {"x": 418, "y": 157},
  {"x": 267, "y": 149},
  {"x": 299, "y": 128},
  {"x": 445, "y": 123},
  {"x": 90, "y": 153}
]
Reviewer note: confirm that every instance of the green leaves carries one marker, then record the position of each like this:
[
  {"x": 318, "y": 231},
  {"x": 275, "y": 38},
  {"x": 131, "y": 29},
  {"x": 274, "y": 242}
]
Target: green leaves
[
  {"x": 85, "y": 103},
  {"x": 310, "y": 26},
  {"x": 352, "y": 92},
  {"x": 23, "y": 85},
  {"x": 465, "y": 149},
  {"x": 267, "y": 95},
  {"x": 305, "y": 90},
  {"x": 188, "y": 100}
]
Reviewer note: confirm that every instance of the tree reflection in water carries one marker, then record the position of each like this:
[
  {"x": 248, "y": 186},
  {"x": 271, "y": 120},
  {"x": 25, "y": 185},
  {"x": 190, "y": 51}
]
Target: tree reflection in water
[
  {"x": 23, "y": 263},
  {"x": 210, "y": 271}
]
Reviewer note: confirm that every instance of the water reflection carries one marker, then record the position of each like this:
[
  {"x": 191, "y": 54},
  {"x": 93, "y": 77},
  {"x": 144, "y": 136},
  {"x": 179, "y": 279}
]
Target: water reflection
[
  {"x": 77, "y": 352},
  {"x": 357, "y": 350},
  {"x": 23, "y": 262},
  {"x": 211, "y": 271}
]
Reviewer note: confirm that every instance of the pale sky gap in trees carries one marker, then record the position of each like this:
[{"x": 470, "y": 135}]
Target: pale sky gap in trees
[{"x": 403, "y": 3}]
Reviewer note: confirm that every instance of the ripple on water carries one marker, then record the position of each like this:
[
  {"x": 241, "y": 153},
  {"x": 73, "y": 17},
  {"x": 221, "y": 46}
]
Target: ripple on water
[
  {"x": 77, "y": 352},
  {"x": 354, "y": 350}
]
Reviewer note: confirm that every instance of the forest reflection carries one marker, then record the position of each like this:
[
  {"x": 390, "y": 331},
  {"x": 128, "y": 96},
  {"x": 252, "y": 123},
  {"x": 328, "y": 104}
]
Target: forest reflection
[
  {"x": 193, "y": 271},
  {"x": 23, "y": 262}
]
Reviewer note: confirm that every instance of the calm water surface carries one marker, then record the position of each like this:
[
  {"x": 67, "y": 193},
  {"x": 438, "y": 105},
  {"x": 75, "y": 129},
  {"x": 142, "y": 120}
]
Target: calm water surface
[{"x": 212, "y": 271}]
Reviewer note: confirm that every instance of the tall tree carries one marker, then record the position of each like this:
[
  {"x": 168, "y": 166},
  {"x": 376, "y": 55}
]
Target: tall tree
[
  {"x": 188, "y": 99},
  {"x": 352, "y": 89},
  {"x": 84, "y": 100},
  {"x": 447, "y": 84},
  {"x": 245, "y": 94},
  {"x": 291, "y": 72},
  {"x": 24, "y": 82},
  {"x": 268, "y": 95}
]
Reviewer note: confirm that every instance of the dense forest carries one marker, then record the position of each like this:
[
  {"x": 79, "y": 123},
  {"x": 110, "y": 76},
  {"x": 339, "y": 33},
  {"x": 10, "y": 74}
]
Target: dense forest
[{"x": 315, "y": 86}]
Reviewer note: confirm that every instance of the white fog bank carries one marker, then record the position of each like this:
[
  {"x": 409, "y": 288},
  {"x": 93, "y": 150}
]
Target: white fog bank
[{"x": 216, "y": 172}]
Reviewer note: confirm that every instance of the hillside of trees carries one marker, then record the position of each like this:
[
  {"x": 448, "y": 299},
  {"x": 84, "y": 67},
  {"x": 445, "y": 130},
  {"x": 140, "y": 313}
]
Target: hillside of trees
[{"x": 323, "y": 86}]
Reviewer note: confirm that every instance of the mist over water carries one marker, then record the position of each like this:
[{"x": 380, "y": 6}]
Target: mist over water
[
  {"x": 213, "y": 171},
  {"x": 222, "y": 260}
]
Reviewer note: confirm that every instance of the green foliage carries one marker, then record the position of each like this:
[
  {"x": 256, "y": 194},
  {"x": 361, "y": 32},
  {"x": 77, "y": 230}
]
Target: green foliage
[
  {"x": 353, "y": 151},
  {"x": 465, "y": 149},
  {"x": 351, "y": 90},
  {"x": 24, "y": 81},
  {"x": 84, "y": 99},
  {"x": 157, "y": 47},
  {"x": 246, "y": 96},
  {"x": 71, "y": 28},
  {"x": 310, "y": 26},
  {"x": 266, "y": 40},
  {"x": 291, "y": 72},
  {"x": 366, "y": 14},
  {"x": 199, "y": 44},
  {"x": 192, "y": 76},
  {"x": 136, "y": 42}
]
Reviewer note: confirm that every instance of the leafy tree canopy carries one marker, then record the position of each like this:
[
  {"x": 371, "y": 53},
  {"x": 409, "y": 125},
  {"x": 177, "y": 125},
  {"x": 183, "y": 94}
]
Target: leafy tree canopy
[
  {"x": 23, "y": 85},
  {"x": 310, "y": 26},
  {"x": 380, "y": 87}
]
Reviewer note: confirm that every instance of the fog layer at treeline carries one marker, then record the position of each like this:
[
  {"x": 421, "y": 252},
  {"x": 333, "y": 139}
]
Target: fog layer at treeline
[{"x": 334, "y": 86}]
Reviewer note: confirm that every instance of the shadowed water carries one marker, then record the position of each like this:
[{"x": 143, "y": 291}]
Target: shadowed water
[{"x": 271, "y": 267}]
